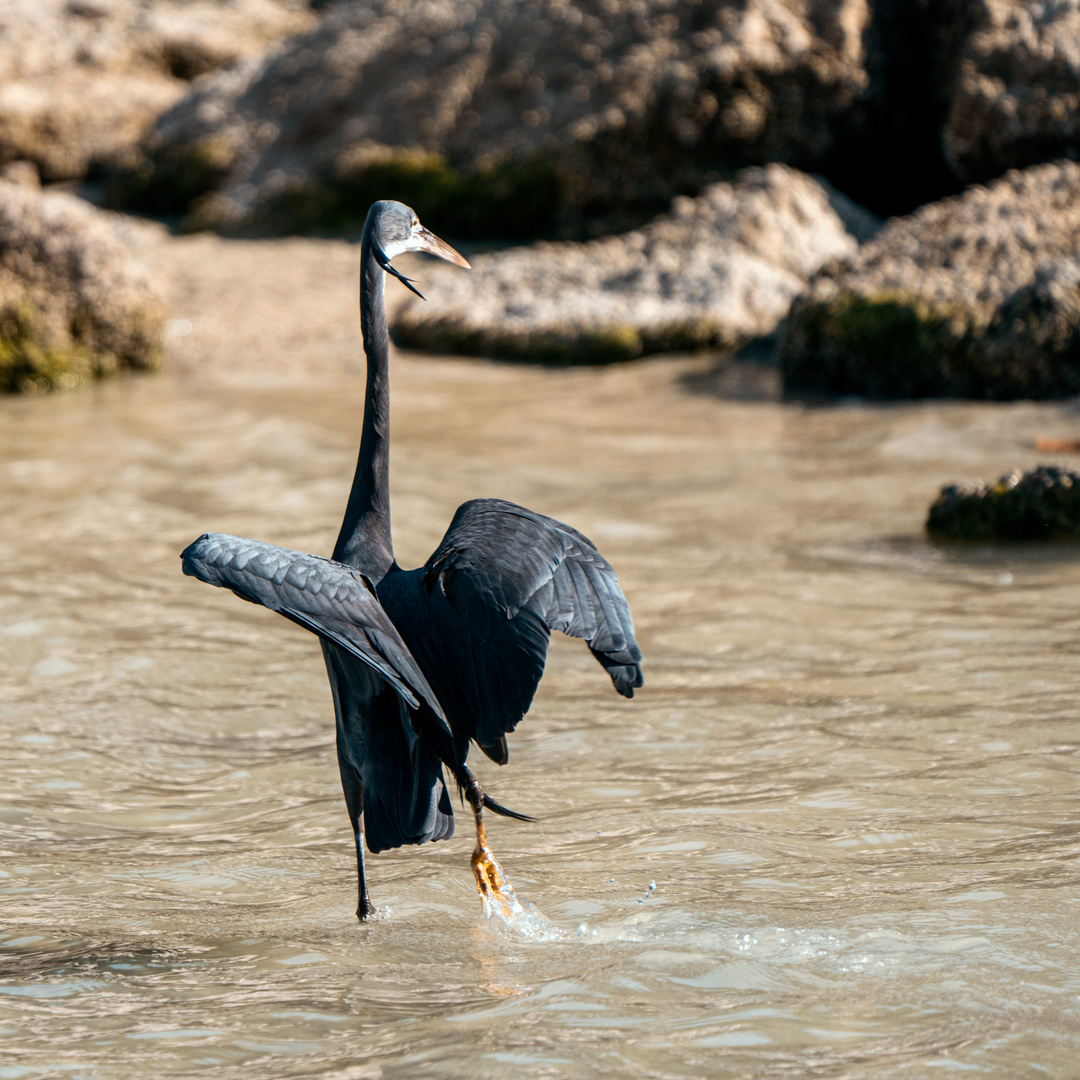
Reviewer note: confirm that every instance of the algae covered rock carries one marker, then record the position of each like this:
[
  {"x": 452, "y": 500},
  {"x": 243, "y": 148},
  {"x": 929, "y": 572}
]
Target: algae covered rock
[
  {"x": 974, "y": 296},
  {"x": 716, "y": 271},
  {"x": 1016, "y": 100},
  {"x": 507, "y": 119},
  {"x": 74, "y": 304},
  {"x": 1040, "y": 504},
  {"x": 82, "y": 80}
]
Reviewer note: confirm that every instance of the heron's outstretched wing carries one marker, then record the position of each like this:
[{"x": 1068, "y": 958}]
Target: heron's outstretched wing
[
  {"x": 328, "y": 598},
  {"x": 500, "y": 581}
]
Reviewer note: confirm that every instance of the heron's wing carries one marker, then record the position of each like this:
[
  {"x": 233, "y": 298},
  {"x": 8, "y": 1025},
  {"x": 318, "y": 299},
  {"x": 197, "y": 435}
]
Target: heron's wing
[
  {"x": 512, "y": 576},
  {"x": 328, "y": 598}
]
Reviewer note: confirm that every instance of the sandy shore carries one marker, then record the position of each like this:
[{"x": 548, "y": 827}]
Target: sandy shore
[{"x": 274, "y": 312}]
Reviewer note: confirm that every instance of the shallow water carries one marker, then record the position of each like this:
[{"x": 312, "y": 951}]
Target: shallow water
[{"x": 835, "y": 835}]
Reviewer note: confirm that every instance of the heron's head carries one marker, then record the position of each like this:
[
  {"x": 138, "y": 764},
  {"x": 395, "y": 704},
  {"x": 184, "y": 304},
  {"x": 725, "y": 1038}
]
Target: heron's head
[{"x": 394, "y": 228}]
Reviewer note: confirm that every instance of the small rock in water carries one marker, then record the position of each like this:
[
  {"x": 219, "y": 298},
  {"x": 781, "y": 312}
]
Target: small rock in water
[{"x": 1040, "y": 504}]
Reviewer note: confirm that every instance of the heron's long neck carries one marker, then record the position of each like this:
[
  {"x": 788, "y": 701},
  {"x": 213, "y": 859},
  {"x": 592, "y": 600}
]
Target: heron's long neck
[{"x": 364, "y": 540}]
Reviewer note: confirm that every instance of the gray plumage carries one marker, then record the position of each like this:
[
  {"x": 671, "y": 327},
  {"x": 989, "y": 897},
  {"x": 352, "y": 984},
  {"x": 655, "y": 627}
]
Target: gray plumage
[
  {"x": 421, "y": 662},
  {"x": 327, "y": 598}
]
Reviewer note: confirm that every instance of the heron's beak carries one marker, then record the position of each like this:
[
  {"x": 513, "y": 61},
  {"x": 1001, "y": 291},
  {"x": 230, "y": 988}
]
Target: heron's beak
[{"x": 429, "y": 242}]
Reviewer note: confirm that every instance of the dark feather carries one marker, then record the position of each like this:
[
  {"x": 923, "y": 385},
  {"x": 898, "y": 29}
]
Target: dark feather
[
  {"x": 479, "y": 614},
  {"x": 328, "y": 598},
  {"x": 379, "y": 739}
]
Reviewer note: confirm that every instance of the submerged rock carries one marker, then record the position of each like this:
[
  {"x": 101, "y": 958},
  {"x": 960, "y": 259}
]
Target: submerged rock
[
  {"x": 716, "y": 271},
  {"x": 74, "y": 304},
  {"x": 1016, "y": 101},
  {"x": 494, "y": 118},
  {"x": 81, "y": 80},
  {"x": 975, "y": 296},
  {"x": 1040, "y": 504}
]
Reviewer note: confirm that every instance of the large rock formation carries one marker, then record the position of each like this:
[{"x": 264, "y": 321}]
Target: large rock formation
[
  {"x": 974, "y": 296},
  {"x": 718, "y": 270},
  {"x": 81, "y": 80},
  {"x": 498, "y": 118},
  {"x": 74, "y": 304},
  {"x": 1017, "y": 99},
  {"x": 888, "y": 152}
]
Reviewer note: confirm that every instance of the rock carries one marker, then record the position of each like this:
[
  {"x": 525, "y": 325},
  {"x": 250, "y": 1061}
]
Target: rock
[
  {"x": 22, "y": 173},
  {"x": 888, "y": 152},
  {"x": 82, "y": 80},
  {"x": 511, "y": 119},
  {"x": 974, "y": 296},
  {"x": 718, "y": 270},
  {"x": 74, "y": 304},
  {"x": 1017, "y": 99},
  {"x": 1032, "y": 346},
  {"x": 1040, "y": 504}
]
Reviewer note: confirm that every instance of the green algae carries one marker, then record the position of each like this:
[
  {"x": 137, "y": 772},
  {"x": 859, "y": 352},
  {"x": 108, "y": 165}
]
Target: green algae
[
  {"x": 170, "y": 181},
  {"x": 560, "y": 347},
  {"x": 878, "y": 345},
  {"x": 28, "y": 364},
  {"x": 511, "y": 200},
  {"x": 897, "y": 345},
  {"x": 32, "y": 361}
]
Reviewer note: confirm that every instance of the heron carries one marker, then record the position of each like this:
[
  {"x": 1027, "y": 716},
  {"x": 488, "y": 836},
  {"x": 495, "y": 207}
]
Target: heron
[{"x": 424, "y": 662}]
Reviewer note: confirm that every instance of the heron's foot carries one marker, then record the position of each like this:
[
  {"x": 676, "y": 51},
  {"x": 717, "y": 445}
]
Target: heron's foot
[
  {"x": 490, "y": 879},
  {"x": 492, "y": 884},
  {"x": 365, "y": 909}
]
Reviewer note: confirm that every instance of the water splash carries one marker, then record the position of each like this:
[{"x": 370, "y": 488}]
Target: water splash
[
  {"x": 499, "y": 899},
  {"x": 520, "y": 915}
]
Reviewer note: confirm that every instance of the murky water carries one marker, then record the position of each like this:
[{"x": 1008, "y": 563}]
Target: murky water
[{"x": 835, "y": 835}]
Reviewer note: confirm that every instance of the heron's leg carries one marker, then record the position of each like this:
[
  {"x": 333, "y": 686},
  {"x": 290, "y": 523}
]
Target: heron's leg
[
  {"x": 490, "y": 879},
  {"x": 364, "y": 907},
  {"x": 354, "y": 800}
]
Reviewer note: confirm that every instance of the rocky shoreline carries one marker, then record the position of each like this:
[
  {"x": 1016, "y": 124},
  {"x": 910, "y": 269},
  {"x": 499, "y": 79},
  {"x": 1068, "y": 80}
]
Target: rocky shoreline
[
  {"x": 618, "y": 134},
  {"x": 74, "y": 303},
  {"x": 977, "y": 296},
  {"x": 717, "y": 271}
]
